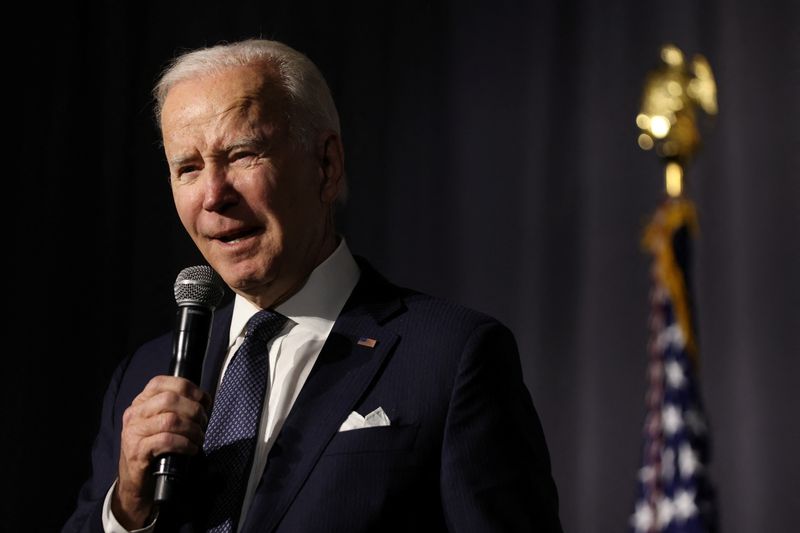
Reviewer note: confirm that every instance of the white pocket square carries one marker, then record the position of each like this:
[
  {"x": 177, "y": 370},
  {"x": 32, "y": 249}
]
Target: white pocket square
[{"x": 376, "y": 418}]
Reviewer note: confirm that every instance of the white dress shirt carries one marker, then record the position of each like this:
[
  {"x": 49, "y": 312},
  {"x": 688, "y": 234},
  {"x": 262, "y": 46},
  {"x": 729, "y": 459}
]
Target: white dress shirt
[{"x": 292, "y": 353}]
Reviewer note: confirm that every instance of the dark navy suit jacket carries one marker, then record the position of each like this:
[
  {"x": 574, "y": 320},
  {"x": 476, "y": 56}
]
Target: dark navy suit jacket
[{"x": 464, "y": 452}]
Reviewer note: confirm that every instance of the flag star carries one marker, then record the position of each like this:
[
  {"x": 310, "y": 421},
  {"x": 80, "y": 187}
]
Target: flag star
[
  {"x": 685, "y": 507},
  {"x": 671, "y": 419},
  {"x": 672, "y": 335},
  {"x": 688, "y": 462},
  {"x": 642, "y": 519},
  {"x": 666, "y": 511},
  {"x": 675, "y": 376}
]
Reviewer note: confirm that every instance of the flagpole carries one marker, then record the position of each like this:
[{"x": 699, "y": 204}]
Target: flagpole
[{"x": 673, "y": 491}]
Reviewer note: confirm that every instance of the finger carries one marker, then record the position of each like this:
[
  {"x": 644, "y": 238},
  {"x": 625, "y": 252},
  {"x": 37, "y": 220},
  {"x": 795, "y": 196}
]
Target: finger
[
  {"x": 167, "y": 402},
  {"x": 171, "y": 423},
  {"x": 164, "y": 443},
  {"x": 164, "y": 433},
  {"x": 178, "y": 385}
]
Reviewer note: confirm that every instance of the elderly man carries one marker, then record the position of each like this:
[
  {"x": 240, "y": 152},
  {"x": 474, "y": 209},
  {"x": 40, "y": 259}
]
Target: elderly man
[{"x": 365, "y": 407}]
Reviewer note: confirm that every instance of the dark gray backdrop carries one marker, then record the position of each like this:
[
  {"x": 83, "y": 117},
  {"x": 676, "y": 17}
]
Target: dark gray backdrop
[{"x": 492, "y": 159}]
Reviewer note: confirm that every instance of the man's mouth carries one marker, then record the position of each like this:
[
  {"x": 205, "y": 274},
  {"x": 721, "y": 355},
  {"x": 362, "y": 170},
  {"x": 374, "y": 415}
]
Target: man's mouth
[{"x": 232, "y": 237}]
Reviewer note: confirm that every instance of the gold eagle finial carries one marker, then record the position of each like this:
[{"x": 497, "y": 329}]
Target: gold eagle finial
[{"x": 667, "y": 118}]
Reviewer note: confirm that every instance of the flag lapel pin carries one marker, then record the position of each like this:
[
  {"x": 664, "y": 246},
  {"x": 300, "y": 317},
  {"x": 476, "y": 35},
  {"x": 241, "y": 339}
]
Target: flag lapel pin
[{"x": 367, "y": 342}]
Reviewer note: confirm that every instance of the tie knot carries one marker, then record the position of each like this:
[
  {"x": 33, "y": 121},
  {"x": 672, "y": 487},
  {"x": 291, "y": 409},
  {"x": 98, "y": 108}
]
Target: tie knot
[{"x": 264, "y": 325}]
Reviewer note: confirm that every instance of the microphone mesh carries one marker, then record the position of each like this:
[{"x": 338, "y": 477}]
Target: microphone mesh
[{"x": 199, "y": 285}]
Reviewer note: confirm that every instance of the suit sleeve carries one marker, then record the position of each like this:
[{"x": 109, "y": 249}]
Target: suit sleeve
[
  {"x": 495, "y": 465},
  {"x": 87, "y": 517}
]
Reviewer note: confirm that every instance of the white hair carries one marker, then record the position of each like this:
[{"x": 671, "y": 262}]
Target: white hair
[{"x": 311, "y": 107}]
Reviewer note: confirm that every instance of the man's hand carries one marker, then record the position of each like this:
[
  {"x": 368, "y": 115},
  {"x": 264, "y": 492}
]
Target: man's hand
[{"x": 168, "y": 416}]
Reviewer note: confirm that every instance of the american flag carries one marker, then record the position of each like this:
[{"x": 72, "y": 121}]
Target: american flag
[{"x": 674, "y": 493}]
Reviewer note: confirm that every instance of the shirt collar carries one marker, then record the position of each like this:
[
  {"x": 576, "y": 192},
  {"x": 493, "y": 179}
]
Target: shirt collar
[{"x": 317, "y": 304}]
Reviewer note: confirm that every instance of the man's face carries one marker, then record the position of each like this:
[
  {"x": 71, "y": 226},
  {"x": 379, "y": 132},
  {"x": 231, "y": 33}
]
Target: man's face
[{"x": 255, "y": 203}]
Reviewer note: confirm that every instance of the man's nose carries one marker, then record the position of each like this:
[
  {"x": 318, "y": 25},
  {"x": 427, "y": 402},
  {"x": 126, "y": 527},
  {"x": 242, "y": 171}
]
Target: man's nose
[{"x": 219, "y": 192}]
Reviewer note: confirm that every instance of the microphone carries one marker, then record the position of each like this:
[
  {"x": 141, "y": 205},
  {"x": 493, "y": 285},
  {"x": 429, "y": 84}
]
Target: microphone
[{"x": 198, "y": 291}]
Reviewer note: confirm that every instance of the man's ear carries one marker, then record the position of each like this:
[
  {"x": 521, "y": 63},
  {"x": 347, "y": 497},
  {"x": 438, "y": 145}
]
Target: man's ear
[{"x": 330, "y": 156}]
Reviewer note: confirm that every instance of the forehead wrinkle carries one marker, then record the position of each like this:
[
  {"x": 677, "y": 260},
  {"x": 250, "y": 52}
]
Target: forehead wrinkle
[
  {"x": 254, "y": 112},
  {"x": 234, "y": 126}
]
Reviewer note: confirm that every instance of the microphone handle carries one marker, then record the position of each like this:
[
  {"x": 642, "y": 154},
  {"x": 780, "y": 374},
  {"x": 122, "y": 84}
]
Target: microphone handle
[{"x": 189, "y": 345}]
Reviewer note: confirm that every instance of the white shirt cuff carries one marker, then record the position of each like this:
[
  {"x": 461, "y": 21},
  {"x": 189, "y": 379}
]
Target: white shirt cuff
[{"x": 110, "y": 524}]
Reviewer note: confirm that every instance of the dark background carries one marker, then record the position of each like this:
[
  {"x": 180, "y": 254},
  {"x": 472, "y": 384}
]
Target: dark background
[{"x": 492, "y": 159}]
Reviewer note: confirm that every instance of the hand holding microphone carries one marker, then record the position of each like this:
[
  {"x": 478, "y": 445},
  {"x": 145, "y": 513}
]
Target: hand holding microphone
[
  {"x": 198, "y": 291},
  {"x": 167, "y": 419}
]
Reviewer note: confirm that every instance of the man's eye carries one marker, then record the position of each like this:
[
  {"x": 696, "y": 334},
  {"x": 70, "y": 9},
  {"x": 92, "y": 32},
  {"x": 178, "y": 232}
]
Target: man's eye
[
  {"x": 243, "y": 156},
  {"x": 186, "y": 170}
]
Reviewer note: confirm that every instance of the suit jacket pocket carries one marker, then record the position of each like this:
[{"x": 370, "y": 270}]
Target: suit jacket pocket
[{"x": 373, "y": 440}]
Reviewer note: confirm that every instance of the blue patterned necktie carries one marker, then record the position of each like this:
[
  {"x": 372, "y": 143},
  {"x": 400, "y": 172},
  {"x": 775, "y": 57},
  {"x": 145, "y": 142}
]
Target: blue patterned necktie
[{"x": 232, "y": 429}]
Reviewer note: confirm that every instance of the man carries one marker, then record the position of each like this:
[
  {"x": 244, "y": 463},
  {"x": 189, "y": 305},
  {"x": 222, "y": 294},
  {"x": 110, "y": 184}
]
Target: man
[{"x": 382, "y": 409}]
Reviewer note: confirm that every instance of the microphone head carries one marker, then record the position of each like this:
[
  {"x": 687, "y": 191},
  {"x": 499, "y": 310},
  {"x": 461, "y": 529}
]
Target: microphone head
[{"x": 199, "y": 285}]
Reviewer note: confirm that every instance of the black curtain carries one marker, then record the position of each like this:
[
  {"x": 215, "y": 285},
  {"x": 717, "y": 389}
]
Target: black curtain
[{"x": 492, "y": 159}]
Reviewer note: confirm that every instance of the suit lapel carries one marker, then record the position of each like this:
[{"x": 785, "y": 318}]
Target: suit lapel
[{"x": 341, "y": 375}]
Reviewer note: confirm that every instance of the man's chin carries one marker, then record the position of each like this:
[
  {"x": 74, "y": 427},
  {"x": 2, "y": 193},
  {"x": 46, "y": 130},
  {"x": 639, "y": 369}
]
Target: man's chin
[
  {"x": 238, "y": 275},
  {"x": 243, "y": 283},
  {"x": 251, "y": 285}
]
